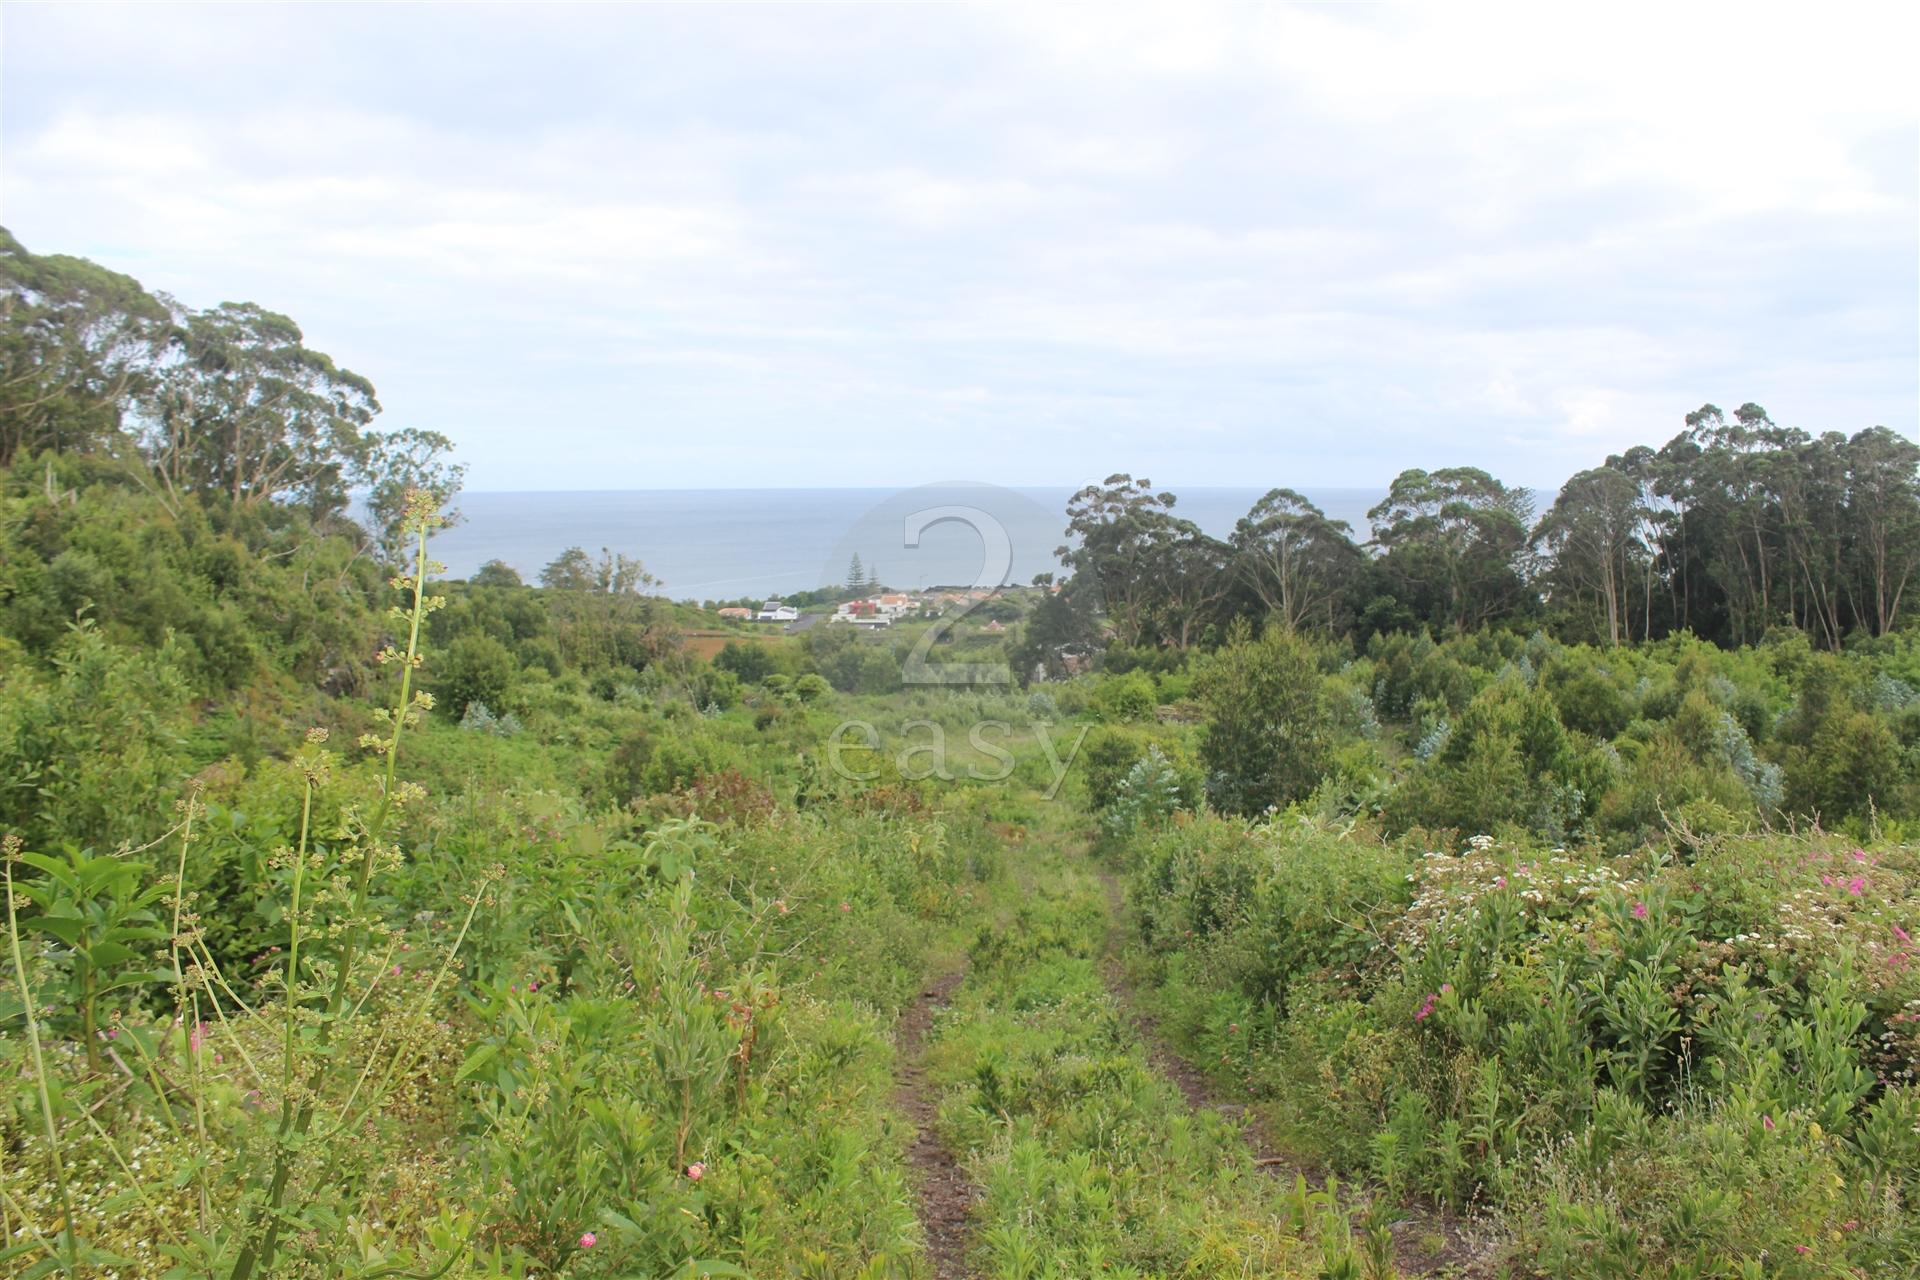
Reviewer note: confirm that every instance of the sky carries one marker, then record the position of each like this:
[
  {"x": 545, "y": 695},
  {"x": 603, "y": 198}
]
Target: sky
[{"x": 711, "y": 247}]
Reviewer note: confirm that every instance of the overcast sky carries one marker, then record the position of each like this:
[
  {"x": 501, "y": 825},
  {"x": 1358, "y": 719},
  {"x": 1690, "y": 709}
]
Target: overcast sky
[{"x": 715, "y": 247}]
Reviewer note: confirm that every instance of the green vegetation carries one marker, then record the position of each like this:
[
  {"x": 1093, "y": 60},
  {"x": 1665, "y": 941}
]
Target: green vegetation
[
  {"x": 1549, "y": 933},
  {"x": 1691, "y": 1062},
  {"x": 1553, "y": 918}
]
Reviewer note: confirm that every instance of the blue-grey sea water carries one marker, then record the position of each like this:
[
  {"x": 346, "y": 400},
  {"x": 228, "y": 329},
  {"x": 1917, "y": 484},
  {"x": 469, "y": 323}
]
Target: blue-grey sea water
[{"x": 722, "y": 544}]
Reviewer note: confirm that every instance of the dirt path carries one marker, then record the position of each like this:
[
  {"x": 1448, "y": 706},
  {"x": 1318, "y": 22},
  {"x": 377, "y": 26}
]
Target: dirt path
[
  {"x": 945, "y": 1194},
  {"x": 1427, "y": 1241}
]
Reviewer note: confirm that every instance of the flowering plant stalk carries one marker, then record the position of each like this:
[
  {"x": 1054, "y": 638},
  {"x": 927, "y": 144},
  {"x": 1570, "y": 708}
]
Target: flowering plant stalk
[{"x": 299, "y": 1103}]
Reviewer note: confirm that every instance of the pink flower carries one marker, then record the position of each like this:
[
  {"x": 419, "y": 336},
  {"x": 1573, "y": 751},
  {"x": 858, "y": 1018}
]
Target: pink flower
[
  {"x": 1445, "y": 987},
  {"x": 845, "y": 908},
  {"x": 1902, "y": 934},
  {"x": 1857, "y": 886},
  {"x": 588, "y": 1240},
  {"x": 697, "y": 1170},
  {"x": 533, "y": 986},
  {"x": 1499, "y": 882},
  {"x": 1801, "y": 1248},
  {"x": 1766, "y": 1122},
  {"x": 781, "y": 905},
  {"x": 199, "y": 1036},
  {"x": 396, "y": 969},
  {"x": 1639, "y": 911},
  {"x": 1859, "y": 855},
  {"x": 1826, "y": 880}
]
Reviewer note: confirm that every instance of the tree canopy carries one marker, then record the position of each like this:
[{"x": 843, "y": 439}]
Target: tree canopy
[{"x": 229, "y": 403}]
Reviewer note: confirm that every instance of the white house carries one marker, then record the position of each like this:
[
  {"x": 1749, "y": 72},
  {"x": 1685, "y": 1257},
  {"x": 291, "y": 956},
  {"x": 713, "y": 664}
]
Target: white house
[
  {"x": 774, "y": 611},
  {"x": 875, "y": 611}
]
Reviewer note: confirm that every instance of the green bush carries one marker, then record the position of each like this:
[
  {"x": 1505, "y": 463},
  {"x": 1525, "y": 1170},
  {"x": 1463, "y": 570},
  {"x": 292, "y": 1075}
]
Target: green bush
[
  {"x": 1124, "y": 699},
  {"x": 1267, "y": 739},
  {"x": 477, "y": 668}
]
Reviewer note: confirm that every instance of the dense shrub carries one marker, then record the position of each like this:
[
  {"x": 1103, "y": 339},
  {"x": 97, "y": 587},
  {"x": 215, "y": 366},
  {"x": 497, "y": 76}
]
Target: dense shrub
[
  {"x": 477, "y": 668},
  {"x": 1266, "y": 741},
  {"x": 1125, "y": 698},
  {"x": 1645, "y": 1064}
]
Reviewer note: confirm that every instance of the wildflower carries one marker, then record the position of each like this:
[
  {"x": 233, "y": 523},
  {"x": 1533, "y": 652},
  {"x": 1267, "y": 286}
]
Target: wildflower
[
  {"x": 1802, "y": 1249},
  {"x": 1766, "y": 1122},
  {"x": 844, "y": 908},
  {"x": 780, "y": 904},
  {"x": 588, "y": 1240},
  {"x": 1859, "y": 855},
  {"x": 1902, "y": 934},
  {"x": 1639, "y": 911},
  {"x": 396, "y": 970},
  {"x": 533, "y": 986},
  {"x": 1857, "y": 886},
  {"x": 697, "y": 1170}
]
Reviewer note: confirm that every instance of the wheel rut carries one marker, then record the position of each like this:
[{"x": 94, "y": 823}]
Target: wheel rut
[{"x": 944, "y": 1192}]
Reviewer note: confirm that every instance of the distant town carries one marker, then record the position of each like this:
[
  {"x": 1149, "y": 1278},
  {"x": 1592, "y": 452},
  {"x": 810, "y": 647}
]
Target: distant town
[{"x": 872, "y": 612}]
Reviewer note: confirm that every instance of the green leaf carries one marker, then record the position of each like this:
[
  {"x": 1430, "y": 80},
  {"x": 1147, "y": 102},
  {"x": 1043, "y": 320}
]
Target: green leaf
[
  {"x": 65, "y": 928},
  {"x": 479, "y": 1058}
]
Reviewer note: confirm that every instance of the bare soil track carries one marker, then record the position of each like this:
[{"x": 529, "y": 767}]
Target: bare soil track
[{"x": 946, "y": 1196}]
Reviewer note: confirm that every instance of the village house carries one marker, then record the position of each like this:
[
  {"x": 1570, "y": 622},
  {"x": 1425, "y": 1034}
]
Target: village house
[
  {"x": 774, "y": 611},
  {"x": 876, "y": 611}
]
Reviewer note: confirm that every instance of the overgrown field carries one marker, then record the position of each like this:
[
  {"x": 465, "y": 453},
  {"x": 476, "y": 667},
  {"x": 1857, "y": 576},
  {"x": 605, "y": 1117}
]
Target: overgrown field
[{"x": 360, "y": 926}]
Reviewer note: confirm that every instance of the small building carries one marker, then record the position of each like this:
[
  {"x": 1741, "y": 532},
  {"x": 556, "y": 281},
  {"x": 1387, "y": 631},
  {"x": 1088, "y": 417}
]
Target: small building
[
  {"x": 863, "y": 613},
  {"x": 744, "y": 615},
  {"x": 774, "y": 611}
]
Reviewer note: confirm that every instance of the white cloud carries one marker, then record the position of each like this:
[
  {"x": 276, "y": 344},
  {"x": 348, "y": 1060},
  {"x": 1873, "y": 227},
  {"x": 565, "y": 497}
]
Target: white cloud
[{"x": 1136, "y": 237}]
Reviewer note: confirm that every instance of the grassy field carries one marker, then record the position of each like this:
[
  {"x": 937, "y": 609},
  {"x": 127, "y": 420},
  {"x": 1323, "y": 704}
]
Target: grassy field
[{"x": 710, "y": 969}]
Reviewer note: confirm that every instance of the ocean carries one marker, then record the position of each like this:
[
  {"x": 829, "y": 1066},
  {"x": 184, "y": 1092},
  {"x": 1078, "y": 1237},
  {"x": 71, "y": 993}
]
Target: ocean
[{"x": 722, "y": 544}]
